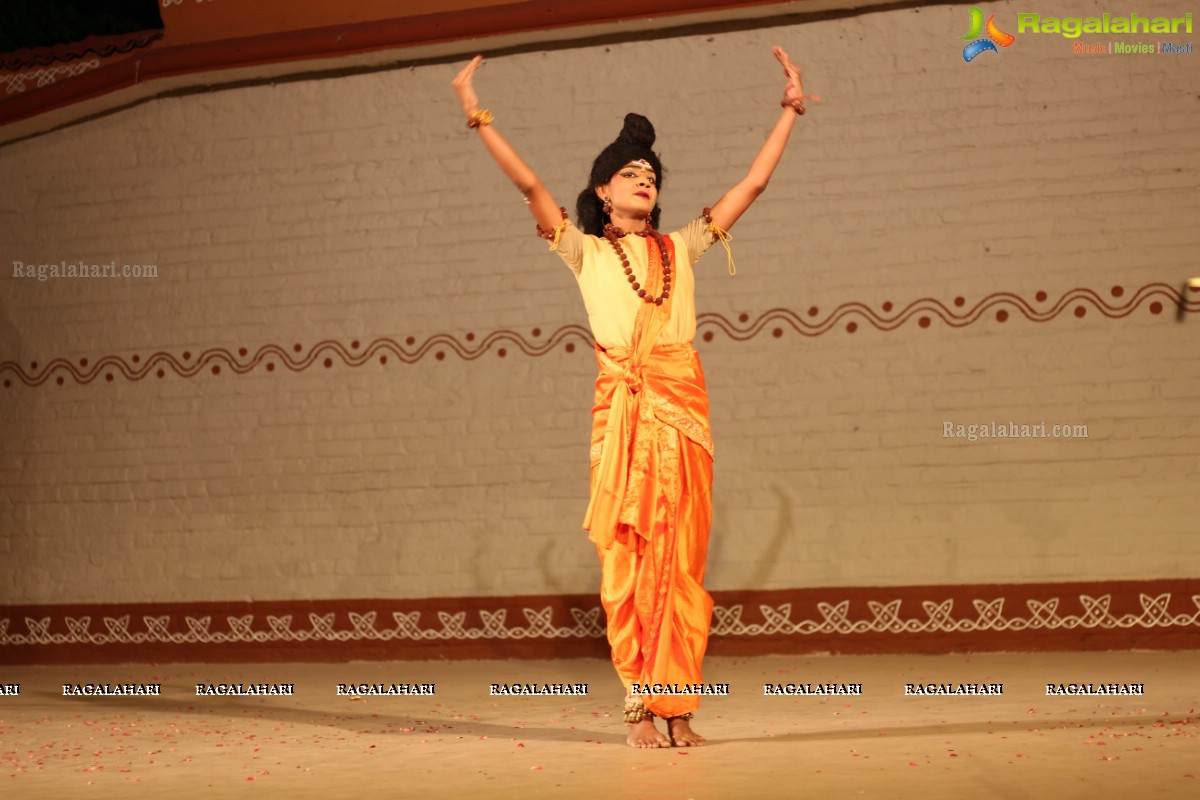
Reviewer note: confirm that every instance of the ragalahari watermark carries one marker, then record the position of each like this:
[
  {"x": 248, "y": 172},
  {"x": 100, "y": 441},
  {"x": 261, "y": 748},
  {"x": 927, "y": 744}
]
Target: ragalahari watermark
[
  {"x": 82, "y": 269},
  {"x": 994, "y": 429}
]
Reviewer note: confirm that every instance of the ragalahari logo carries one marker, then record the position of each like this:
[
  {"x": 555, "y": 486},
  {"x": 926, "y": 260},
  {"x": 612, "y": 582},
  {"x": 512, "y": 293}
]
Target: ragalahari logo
[{"x": 995, "y": 36}]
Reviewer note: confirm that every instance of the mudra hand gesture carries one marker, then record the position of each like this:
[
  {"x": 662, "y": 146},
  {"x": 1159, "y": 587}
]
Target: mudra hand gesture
[
  {"x": 464, "y": 89},
  {"x": 793, "y": 93}
]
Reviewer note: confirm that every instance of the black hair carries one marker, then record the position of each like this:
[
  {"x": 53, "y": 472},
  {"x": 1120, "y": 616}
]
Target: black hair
[{"x": 633, "y": 143}]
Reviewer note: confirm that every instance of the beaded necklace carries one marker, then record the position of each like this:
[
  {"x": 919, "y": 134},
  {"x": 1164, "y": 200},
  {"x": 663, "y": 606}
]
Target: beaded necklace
[{"x": 613, "y": 235}]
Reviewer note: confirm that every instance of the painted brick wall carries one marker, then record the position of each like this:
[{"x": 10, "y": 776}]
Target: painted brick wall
[{"x": 328, "y": 218}]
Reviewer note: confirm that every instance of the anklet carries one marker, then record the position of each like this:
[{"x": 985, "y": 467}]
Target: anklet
[{"x": 636, "y": 711}]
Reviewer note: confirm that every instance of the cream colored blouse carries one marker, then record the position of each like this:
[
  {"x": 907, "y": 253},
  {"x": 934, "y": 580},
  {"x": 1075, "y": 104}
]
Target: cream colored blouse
[{"x": 612, "y": 306}]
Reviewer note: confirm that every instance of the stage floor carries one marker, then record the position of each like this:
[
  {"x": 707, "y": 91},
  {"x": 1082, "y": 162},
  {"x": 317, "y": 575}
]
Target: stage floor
[{"x": 464, "y": 742}]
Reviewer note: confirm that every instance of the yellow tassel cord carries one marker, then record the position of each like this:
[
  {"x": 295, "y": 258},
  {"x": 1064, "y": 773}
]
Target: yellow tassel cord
[
  {"x": 725, "y": 237},
  {"x": 557, "y": 234}
]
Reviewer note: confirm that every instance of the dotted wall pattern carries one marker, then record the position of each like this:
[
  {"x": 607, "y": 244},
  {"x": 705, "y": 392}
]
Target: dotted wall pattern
[{"x": 1116, "y": 303}]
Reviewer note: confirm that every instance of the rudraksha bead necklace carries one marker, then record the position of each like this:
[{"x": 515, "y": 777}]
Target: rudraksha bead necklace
[{"x": 614, "y": 238}]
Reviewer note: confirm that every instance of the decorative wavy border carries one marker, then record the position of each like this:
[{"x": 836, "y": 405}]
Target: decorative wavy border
[
  {"x": 1155, "y": 297},
  {"x": 926, "y": 309},
  {"x": 100, "y": 46},
  {"x": 1154, "y": 614}
]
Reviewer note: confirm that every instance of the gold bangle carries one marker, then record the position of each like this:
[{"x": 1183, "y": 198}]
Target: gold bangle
[{"x": 480, "y": 118}]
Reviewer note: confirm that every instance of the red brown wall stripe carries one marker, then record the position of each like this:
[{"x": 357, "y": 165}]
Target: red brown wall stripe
[
  {"x": 1110, "y": 615},
  {"x": 237, "y": 48}
]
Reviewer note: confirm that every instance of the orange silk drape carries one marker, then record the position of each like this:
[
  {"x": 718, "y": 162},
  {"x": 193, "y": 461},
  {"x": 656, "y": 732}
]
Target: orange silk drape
[{"x": 651, "y": 505}]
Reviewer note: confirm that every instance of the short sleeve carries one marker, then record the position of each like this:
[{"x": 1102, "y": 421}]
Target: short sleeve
[
  {"x": 696, "y": 237},
  {"x": 570, "y": 247}
]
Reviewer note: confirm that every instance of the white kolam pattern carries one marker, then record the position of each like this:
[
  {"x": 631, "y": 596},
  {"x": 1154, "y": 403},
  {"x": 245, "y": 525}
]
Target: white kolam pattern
[
  {"x": 15, "y": 84},
  {"x": 834, "y": 618}
]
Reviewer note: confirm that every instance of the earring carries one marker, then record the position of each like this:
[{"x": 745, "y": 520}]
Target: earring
[{"x": 607, "y": 207}]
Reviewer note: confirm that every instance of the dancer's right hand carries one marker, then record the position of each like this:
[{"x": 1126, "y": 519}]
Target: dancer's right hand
[{"x": 464, "y": 89}]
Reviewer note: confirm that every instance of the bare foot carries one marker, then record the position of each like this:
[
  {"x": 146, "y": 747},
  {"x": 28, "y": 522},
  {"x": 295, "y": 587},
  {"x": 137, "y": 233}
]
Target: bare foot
[
  {"x": 643, "y": 734},
  {"x": 682, "y": 734}
]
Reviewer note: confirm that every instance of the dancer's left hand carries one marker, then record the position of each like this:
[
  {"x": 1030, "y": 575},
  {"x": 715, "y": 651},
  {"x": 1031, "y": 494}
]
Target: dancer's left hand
[{"x": 793, "y": 93}]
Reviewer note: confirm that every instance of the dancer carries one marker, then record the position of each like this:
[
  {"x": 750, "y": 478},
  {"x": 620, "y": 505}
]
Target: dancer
[{"x": 651, "y": 450}]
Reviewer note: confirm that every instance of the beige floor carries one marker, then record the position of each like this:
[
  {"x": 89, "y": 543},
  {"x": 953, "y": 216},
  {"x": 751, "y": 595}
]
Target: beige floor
[{"x": 464, "y": 743}]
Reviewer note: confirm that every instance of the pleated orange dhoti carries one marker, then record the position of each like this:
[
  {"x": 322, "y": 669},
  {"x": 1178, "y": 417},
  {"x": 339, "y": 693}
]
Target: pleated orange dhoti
[{"x": 651, "y": 510}]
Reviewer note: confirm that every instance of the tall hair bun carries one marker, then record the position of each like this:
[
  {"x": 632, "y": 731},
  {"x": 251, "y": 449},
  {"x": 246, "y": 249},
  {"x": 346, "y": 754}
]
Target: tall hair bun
[
  {"x": 637, "y": 130},
  {"x": 634, "y": 143}
]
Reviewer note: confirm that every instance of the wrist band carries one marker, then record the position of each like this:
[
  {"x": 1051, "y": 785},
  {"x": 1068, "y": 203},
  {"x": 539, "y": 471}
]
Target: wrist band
[
  {"x": 798, "y": 106},
  {"x": 480, "y": 118}
]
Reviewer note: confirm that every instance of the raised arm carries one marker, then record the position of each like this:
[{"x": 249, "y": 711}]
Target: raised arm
[
  {"x": 734, "y": 203},
  {"x": 540, "y": 203}
]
